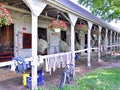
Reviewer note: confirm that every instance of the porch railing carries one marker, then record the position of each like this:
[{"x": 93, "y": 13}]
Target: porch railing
[
  {"x": 7, "y": 63},
  {"x": 54, "y": 61}
]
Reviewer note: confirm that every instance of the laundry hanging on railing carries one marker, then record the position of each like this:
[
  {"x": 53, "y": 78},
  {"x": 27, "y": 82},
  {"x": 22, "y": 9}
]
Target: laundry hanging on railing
[{"x": 56, "y": 61}]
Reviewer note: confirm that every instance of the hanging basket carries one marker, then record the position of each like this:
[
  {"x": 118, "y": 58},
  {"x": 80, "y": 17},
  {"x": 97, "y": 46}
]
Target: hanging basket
[
  {"x": 57, "y": 25},
  {"x": 95, "y": 32},
  {"x": 81, "y": 32},
  {"x": 81, "y": 28},
  {"x": 57, "y": 29},
  {"x": 5, "y": 18}
]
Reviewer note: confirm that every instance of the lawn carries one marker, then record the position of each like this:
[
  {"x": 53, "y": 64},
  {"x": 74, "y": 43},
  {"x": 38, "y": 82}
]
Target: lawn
[{"x": 100, "y": 79}]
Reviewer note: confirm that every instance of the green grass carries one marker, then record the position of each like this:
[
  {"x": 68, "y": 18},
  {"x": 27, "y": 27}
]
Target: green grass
[{"x": 101, "y": 79}]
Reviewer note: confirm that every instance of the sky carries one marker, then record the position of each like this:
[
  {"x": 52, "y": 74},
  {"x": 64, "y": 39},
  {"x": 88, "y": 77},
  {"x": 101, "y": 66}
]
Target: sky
[{"x": 113, "y": 23}]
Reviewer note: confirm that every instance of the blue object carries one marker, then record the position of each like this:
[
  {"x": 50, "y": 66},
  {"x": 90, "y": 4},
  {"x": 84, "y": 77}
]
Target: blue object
[
  {"x": 76, "y": 56},
  {"x": 21, "y": 66},
  {"x": 28, "y": 65},
  {"x": 40, "y": 79},
  {"x": 39, "y": 72}
]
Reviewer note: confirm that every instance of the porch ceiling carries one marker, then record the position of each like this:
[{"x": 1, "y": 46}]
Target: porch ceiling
[
  {"x": 52, "y": 12},
  {"x": 48, "y": 11},
  {"x": 15, "y": 3}
]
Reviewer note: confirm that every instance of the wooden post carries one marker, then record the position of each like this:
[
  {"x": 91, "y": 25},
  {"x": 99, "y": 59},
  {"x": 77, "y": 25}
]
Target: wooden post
[
  {"x": 117, "y": 41},
  {"x": 89, "y": 39},
  {"x": 114, "y": 41},
  {"x": 36, "y": 8},
  {"x": 111, "y": 41},
  {"x": 106, "y": 40},
  {"x": 34, "y": 50},
  {"x": 99, "y": 44},
  {"x": 73, "y": 20}
]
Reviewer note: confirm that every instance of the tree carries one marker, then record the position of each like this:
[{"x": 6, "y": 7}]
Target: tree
[{"x": 108, "y": 10}]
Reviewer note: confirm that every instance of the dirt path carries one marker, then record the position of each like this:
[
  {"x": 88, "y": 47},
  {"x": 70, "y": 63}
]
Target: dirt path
[{"x": 12, "y": 81}]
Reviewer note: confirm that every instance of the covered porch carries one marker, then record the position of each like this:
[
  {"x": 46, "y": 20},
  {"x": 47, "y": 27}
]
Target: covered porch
[{"x": 72, "y": 15}]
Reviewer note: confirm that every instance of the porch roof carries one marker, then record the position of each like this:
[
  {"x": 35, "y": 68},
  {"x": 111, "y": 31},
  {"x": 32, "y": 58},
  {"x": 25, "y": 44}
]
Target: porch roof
[
  {"x": 86, "y": 15},
  {"x": 63, "y": 5}
]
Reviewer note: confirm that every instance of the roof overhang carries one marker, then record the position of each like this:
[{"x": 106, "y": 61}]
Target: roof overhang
[
  {"x": 70, "y": 7},
  {"x": 59, "y": 6}
]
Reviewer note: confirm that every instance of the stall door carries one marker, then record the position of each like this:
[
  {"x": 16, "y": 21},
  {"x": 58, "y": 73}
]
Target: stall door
[{"x": 6, "y": 42}]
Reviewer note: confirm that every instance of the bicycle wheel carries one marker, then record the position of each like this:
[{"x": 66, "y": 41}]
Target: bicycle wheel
[
  {"x": 71, "y": 74},
  {"x": 62, "y": 81},
  {"x": 71, "y": 77}
]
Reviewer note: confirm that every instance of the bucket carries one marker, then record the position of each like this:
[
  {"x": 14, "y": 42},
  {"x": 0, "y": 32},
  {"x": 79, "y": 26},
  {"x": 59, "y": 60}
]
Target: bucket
[
  {"x": 25, "y": 79},
  {"x": 40, "y": 80}
]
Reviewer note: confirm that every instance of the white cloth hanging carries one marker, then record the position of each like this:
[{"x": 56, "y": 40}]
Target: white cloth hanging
[
  {"x": 64, "y": 57},
  {"x": 46, "y": 64},
  {"x": 58, "y": 62},
  {"x": 54, "y": 63},
  {"x": 13, "y": 65}
]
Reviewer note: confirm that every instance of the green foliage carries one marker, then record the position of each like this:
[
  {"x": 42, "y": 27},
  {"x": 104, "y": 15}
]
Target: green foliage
[
  {"x": 101, "y": 79},
  {"x": 108, "y": 10},
  {"x": 40, "y": 88}
]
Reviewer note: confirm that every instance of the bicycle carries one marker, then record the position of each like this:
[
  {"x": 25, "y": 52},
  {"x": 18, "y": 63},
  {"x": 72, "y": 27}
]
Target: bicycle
[{"x": 67, "y": 75}]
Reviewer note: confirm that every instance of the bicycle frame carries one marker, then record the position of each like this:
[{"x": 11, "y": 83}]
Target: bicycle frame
[{"x": 67, "y": 75}]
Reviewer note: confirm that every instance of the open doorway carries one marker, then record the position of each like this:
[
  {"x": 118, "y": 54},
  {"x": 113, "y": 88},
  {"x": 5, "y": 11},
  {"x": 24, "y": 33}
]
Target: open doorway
[
  {"x": 42, "y": 41},
  {"x": 63, "y": 46},
  {"x": 63, "y": 35},
  {"x": 42, "y": 33},
  {"x": 86, "y": 39}
]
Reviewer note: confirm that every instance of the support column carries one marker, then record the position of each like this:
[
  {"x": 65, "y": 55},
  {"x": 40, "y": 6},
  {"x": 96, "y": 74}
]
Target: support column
[
  {"x": 73, "y": 20},
  {"x": 89, "y": 45},
  {"x": 111, "y": 41},
  {"x": 99, "y": 44},
  {"x": 106, "y": 40},
  {"x": 34, "y": 51},
  {"x": 117, "y": 41},
  {"x": 114, "y": 41},
  {"x": 36, "y": 8}
]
